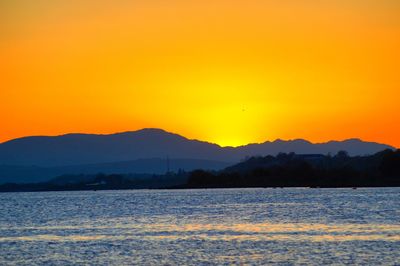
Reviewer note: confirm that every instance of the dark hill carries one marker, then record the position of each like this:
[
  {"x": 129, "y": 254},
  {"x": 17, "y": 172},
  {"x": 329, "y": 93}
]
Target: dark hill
[
  {"x": 74, "y": 149},
  {"x": 31, "y": 159},
  {"x": 294, "y": 170}
]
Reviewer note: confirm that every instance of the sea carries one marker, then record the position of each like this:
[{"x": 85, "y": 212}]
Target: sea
[{"x": 282, "y": 226}]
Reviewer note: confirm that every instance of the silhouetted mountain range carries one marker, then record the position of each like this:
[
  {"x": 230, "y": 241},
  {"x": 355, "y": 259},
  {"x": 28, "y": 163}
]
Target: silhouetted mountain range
[{"x": 41, "y": 157}]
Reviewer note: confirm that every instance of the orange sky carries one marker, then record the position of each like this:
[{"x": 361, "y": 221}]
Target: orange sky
[{"x": 230, "y": 72}]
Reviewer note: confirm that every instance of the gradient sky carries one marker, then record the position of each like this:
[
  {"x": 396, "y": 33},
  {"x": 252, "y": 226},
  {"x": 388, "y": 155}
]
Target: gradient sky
[{"x": 229, "y": 72}]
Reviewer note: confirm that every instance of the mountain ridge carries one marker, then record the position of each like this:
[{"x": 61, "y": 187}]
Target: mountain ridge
[
  {"x": 159, "y": 130},
  {"x": 82, "y": 148},
  {"x": 33, "y": 158}
]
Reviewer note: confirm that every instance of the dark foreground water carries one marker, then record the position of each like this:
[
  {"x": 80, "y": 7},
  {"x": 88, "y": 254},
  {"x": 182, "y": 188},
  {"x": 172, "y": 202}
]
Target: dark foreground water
[{"x": 201, "y": 227}]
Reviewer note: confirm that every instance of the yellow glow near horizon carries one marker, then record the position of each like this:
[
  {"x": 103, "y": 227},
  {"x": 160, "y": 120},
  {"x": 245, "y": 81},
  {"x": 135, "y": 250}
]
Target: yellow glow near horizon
[{"x": 229, "y": 72}]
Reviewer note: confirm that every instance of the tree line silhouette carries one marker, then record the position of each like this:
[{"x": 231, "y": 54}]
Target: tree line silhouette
[
  {"x": 312, "y": 170},
  {"x": 284, "y": 170}
]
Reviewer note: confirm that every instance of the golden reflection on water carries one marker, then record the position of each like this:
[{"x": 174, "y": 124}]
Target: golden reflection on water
[
  {"x": 237, "y": 227},
  {"x": 215, "y": 232}
]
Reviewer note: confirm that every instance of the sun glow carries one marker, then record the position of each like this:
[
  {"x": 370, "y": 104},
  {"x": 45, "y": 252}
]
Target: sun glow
[{"x": 229, "y": 104}]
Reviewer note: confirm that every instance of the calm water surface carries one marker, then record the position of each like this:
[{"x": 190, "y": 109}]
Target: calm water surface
[{"x": 201, "y": 227}]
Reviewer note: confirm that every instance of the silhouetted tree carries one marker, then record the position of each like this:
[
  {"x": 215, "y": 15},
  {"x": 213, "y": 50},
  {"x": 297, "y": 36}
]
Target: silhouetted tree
[
  {"x": 342, "y": 155},
  {"x": 390, "y": 165}
]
